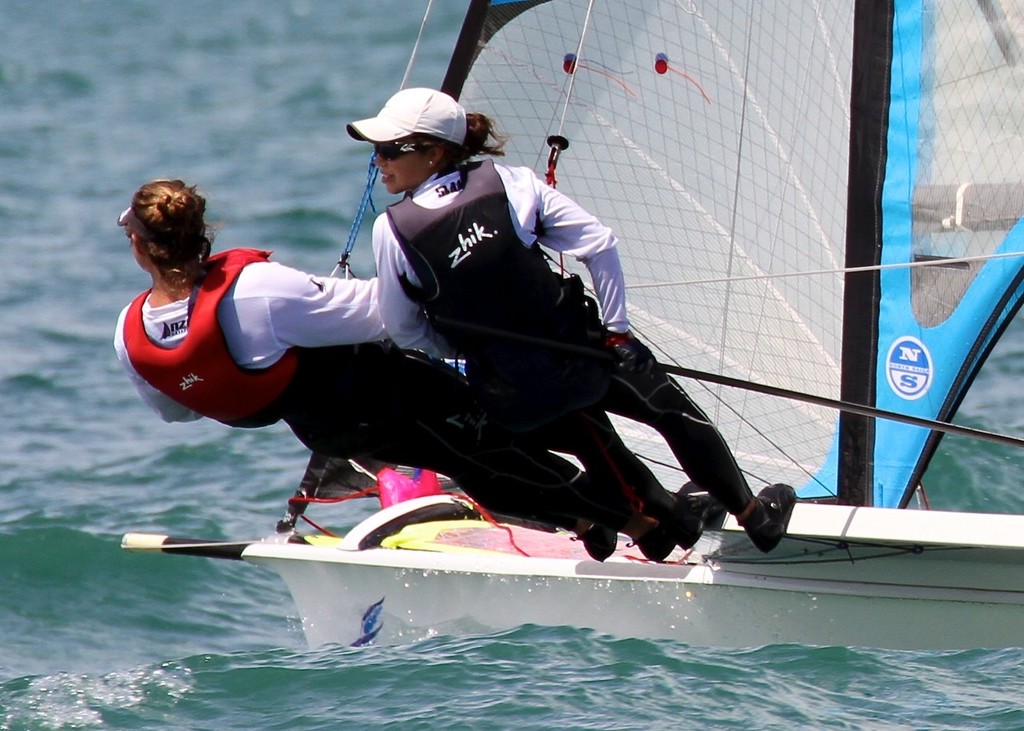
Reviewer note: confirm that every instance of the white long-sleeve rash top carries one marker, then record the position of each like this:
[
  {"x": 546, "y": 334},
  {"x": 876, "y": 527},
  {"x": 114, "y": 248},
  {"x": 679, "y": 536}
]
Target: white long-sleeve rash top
[
  {"x": 567, "y": 229},
  {"x": 270, "y": 309}
]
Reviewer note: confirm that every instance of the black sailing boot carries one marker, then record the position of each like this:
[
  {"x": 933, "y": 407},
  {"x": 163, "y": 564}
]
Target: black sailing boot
[
  {"x": 768, "y": 517},
  {"x": 599, "y": 541},
  {"x": 692, "y": 508}
]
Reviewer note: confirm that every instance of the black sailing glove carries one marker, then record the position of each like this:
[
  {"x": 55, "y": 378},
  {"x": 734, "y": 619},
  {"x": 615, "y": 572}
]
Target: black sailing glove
[{"x": 631, "y": 355}]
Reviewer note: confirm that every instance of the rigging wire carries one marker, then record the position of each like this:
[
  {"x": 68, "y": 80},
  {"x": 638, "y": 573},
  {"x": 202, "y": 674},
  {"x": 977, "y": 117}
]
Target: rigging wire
[
  {"x": 572, "y": 76},
  {"x": 371, "y": 174},
  {"x": 674, "y": 367},
  {"x": 416, "y": 45},
  {"x": 557, "y": 143},
  {"x": 723, "y": 333},
  {"x": 848, "y": 406},
  {"x": 943, "y": 262}
]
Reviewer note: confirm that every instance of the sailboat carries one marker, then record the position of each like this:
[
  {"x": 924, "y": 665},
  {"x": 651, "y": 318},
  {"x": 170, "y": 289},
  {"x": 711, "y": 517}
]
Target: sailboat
[{"x": 818, "y": 207}]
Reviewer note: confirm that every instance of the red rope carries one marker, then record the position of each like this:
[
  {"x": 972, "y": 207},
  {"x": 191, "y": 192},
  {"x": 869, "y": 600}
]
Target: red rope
[
  {"x": 319, "y": 527},
  {"x": 628, "y": 490},
  {"x": 294, "y": 500},
  {"x": 550, "y": 178},
  {"x": 330, "y": 500},
  {"x": 491, "y": 519},
  {"x": 556, "y": 144},
  {"x": 681, "y": 560}
]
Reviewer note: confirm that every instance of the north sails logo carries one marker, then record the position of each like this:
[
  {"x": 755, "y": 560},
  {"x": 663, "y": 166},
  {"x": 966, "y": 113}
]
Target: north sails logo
[
  {"x": 467, "y": 241},
  {"x": 189, "y": 381},
  {"x": 908, "y": 368}
]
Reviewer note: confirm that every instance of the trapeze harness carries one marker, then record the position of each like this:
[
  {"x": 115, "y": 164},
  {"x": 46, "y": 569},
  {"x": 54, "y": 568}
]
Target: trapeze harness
[
  {"x": 200, "y": 372},
  {"x": 479, "y": 284}
]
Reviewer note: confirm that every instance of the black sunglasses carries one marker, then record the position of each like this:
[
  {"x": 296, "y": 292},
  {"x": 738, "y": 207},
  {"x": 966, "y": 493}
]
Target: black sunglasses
[{"x": 394, "y": 150}]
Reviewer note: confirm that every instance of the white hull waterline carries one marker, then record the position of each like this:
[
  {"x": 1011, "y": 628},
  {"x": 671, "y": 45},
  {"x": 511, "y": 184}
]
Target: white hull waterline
[{"x": 846, "y": 577}]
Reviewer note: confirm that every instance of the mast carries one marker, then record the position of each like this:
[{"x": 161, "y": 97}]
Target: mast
[
  {"x": 482, "y": 21},
  {"x": 466, "y": 47},
  {"x": 869, "y": 105}
]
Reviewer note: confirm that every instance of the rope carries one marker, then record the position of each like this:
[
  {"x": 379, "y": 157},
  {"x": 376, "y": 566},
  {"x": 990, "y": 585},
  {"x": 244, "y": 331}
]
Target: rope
[
  {"x": 302, "y": 500},
  {"x": 319, "y": 527},
  {"x": 357, "y": 221},
  {"x": 494, "y": 522},
  {"x": 371, "y": 174}
]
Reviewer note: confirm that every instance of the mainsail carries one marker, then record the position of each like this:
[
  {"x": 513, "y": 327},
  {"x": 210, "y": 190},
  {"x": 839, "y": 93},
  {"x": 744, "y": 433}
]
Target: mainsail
[{"x": 808, "y": 196}]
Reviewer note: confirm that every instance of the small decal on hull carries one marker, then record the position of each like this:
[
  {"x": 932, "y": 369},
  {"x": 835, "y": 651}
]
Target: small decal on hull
[
  {"x": 908, "y": 368},
  {"x": 371, "y": 624}
]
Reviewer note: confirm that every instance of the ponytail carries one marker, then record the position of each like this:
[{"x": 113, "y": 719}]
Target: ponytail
[{"x": 482, "y": 138}]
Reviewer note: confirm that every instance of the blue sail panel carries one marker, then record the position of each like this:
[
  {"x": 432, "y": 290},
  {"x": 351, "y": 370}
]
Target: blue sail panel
[{"x": 948, "y": 202}]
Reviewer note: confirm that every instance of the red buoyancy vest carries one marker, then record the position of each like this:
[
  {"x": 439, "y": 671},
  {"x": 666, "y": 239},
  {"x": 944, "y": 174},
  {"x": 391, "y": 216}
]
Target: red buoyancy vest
[{"x": 200, "y": 373}]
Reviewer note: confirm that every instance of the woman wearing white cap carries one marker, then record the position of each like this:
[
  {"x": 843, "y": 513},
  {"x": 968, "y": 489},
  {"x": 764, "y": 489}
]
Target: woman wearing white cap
[
  {"x": 461, "y": 271},
  {"x": 249, "y": 342}
]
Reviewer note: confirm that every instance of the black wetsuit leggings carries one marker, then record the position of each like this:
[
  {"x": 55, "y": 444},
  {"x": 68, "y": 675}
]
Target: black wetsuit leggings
[
  {"x": 407, "y": 409},
  {"x": 658, "y": 401},
  {"x": 618, "y": 477}
]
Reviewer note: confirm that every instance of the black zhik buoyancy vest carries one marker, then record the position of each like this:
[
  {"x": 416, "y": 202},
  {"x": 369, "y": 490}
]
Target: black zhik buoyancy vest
[
  {"x": 472, "y": 266},
  {"x": 474, "y": 270}
]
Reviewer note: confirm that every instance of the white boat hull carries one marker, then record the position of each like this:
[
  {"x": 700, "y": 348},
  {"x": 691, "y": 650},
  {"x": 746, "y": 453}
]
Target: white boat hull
[{"x": 847, "y": 576}]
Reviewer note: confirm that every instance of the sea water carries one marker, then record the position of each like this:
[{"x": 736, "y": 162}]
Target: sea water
[{"x": 249, "y": 99}]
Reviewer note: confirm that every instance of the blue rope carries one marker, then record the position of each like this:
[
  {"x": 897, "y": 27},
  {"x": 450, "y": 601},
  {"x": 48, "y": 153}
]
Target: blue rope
[{"x": 357, "y": 222}]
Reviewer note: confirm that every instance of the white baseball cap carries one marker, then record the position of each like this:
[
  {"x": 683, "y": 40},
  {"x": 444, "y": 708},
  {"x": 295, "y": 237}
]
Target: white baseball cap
[{"x": 414, "y": 111}]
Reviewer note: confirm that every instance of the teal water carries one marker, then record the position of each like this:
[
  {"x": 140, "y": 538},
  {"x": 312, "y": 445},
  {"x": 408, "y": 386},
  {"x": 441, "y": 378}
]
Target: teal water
[{"x": 249, "y": 99}]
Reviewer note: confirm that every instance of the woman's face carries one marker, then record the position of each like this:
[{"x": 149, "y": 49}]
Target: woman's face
[{"x": 405, "y": 164}]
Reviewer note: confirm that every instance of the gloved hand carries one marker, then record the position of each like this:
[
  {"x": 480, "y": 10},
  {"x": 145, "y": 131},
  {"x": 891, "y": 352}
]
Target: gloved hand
[{"x": 630, "y": 354}]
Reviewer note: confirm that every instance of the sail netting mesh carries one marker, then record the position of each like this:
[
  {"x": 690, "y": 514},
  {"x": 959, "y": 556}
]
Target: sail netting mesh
[{"x": 713, "y": 138}]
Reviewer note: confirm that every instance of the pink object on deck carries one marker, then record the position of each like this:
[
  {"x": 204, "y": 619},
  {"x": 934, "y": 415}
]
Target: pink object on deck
[{"x": 396, "y": 487}]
